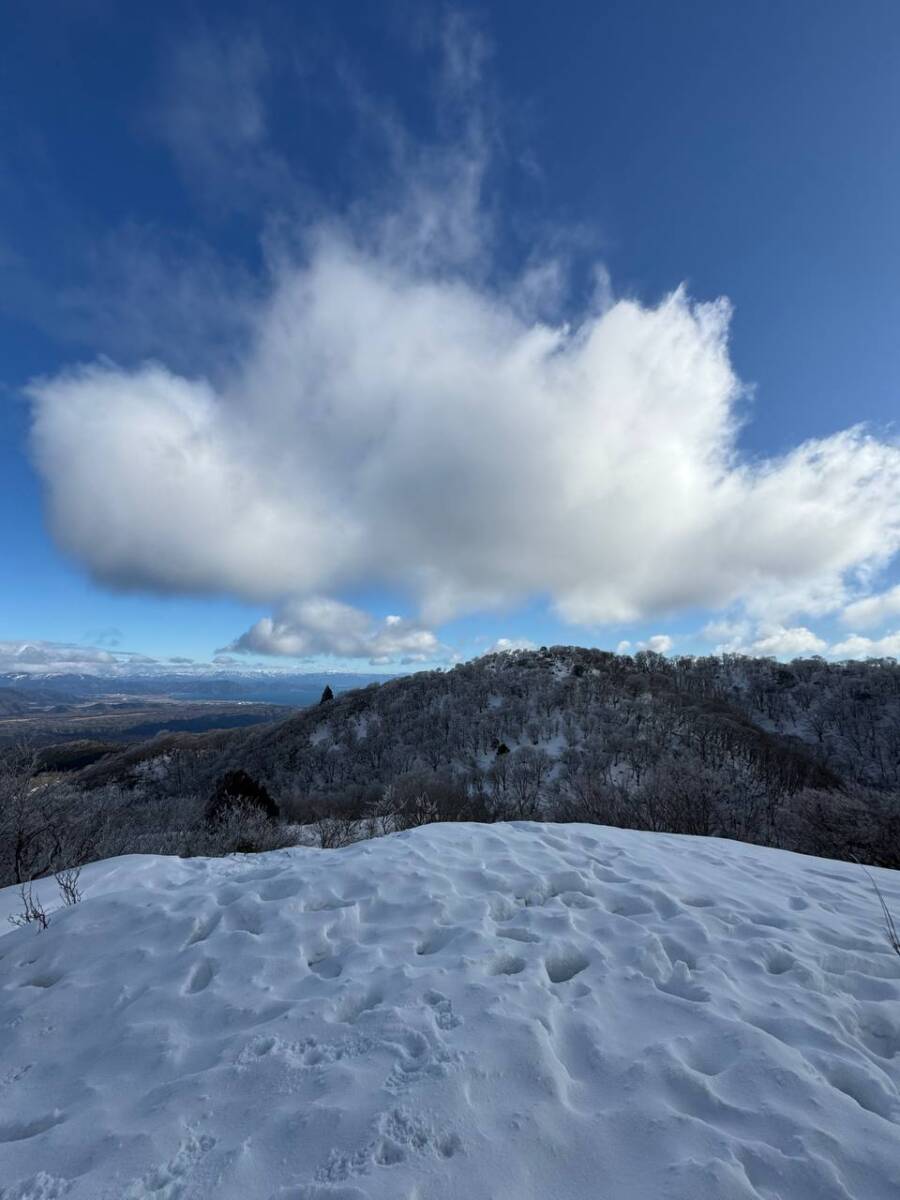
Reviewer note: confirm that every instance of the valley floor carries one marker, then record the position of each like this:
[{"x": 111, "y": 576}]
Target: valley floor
[{"x": 504, "y": 1012}]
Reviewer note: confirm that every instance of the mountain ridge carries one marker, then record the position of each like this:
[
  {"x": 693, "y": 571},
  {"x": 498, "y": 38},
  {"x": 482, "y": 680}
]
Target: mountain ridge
[{"x": 711, "y": 745}]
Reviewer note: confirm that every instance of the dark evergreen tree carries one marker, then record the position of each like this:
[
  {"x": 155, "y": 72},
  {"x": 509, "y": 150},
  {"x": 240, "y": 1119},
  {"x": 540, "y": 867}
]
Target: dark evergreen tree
[
  {"x": 327, "y": 695},
  {"x": 238, "y": 790}
]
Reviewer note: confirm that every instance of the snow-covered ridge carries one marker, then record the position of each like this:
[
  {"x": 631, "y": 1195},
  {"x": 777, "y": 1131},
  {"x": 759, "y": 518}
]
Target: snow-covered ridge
[{"x": 498, "y": 1012}]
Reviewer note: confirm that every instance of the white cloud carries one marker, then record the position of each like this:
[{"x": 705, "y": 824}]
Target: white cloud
[
  {"x": 397, "y": 417},
  {"x": 856, "y": 646},
  {"x": 304, "y": 628},
  {"x": 51, "y": 656},
  {"x": 412, "y": 430},
  {"x": 661, "y": 643},
  {"x": 873, "y": 610},
  {"x": 727, "y": 633},
  {"x": 767, "y": 641},
  {"x": 43, "y": 657},
  {"x": 779, "y": 642},
  {"x": 505, "y": 643}
]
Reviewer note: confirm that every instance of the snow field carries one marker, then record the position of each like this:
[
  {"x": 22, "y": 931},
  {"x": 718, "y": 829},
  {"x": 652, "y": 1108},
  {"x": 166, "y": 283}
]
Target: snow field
[{"x": 497, "y": 1012}]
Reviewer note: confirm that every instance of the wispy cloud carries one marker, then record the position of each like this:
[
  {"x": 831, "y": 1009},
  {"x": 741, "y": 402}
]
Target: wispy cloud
[
  {"x": 211, "y": 112},
  {"x": 137, "y": 292},
  {"x": 109, "y": 636}
]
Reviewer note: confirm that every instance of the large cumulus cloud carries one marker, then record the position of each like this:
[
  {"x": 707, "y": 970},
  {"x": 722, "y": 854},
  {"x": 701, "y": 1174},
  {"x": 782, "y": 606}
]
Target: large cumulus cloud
[{"x": 413, "y": 429}]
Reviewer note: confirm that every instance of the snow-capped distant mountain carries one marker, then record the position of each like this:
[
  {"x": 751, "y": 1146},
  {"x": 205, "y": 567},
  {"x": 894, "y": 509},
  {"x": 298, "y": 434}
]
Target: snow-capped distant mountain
[{"x": 194, "y": 683}]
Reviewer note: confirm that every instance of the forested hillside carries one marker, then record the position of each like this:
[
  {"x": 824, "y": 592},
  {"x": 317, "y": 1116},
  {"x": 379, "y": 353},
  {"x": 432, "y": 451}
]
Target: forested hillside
[{"x": 804, "y": 755}]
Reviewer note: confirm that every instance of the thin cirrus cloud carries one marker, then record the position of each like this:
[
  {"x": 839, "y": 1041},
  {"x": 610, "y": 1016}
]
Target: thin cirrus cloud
[{"x": 212, "y": 116}]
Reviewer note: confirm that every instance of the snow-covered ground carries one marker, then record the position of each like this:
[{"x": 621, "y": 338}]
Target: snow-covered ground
[{"x": 507, "y": 1012}]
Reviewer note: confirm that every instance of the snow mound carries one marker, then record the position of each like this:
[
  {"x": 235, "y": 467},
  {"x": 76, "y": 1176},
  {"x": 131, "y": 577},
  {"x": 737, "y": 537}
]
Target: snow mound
[{"x": 486, "y": 1012}]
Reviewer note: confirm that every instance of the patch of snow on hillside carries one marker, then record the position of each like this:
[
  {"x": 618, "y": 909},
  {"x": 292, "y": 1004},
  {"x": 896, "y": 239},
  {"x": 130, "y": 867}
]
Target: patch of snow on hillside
[{"x": 498, "y": 1012}]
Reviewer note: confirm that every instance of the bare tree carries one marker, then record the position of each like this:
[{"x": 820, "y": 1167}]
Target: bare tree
[
  {"x": 33, "y": 912},
  {"x": 67, "y": 882}
]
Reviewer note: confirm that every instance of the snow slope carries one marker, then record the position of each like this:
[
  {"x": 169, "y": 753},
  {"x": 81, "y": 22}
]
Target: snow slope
[{"x": 506, "y": 1012}]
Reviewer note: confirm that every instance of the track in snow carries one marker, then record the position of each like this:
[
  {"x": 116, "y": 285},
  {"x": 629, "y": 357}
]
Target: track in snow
[{"x": 503, "y": 1012}]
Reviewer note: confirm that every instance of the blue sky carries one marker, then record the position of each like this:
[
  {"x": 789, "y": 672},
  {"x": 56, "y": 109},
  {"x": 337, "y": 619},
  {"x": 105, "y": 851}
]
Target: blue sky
[{"x": 403, "y": 273}]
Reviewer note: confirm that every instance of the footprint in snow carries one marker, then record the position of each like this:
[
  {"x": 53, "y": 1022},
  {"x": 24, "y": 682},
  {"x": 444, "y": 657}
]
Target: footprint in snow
[
  {"x": 564, "y": 966},
  {"x": 20, "y": 1131},
  {"x": 326, "y": 968},
  {"x": 441, "y": 1006},
  {"x": 201, "y": 977},
  {"x": 509, "y": 964},
  {"x": 680, "y": 984},
  {"x": 518, "y": 935},
  {"x": 437, "y": 939}
]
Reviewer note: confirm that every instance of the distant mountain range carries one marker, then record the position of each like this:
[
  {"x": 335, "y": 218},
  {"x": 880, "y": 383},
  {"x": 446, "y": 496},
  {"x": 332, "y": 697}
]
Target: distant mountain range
[
  {"x": 99, "y": 711},
  {"x": 18, "y": 689}
]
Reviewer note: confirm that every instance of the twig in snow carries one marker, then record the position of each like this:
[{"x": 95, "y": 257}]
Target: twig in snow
[{"x": 890, "y": 925}]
